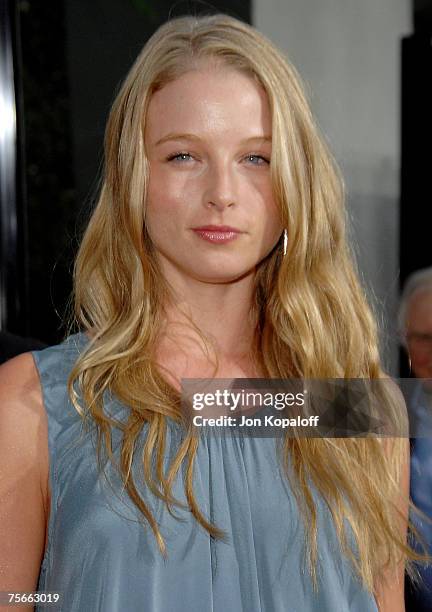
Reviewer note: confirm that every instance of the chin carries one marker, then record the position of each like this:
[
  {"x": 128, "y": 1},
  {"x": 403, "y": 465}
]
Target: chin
[
  {"x": 221, "y": 274},
  {"x": 221, "y": 278}
]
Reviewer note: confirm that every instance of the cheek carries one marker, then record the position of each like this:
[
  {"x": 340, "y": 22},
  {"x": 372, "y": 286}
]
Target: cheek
[
  {"x": 171, "y": 191},
  {"x": 163, "y": 204},
  {"x": 273, "y": 223},
  {"x": 160, "y": 188},
  {"x": 258, "y": 188}
]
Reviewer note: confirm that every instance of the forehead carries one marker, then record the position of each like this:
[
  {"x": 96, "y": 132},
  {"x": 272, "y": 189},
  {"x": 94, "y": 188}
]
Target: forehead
[
  {"x": 211, "y": 101},
  {"x": 419, "y": 311}
]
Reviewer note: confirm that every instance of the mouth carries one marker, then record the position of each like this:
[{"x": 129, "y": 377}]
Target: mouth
[
  {"x": 217, "y": 228},
  {"x": 217, "y": 234}
]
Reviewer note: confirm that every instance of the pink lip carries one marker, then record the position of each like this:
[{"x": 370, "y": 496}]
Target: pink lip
[
  {"x": 217, "y": 236},
  {"x": 217, "y": 228}
]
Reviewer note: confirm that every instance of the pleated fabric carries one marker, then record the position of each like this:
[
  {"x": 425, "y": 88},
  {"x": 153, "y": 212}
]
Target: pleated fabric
[{"x": 102, "y": 556}]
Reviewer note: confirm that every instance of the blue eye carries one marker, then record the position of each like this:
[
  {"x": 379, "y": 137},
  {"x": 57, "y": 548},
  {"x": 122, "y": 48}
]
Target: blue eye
[
  {"x": 178, "y": 155},
  {"x": 266, "y": 161}
]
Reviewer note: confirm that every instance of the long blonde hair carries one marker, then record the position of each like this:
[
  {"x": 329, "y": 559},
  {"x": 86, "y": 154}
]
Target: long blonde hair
[{"x": 312, "y": 319}]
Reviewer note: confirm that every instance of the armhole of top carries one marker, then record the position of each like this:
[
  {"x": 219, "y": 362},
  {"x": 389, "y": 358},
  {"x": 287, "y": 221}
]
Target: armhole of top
[{"x": 52, "y": 476}]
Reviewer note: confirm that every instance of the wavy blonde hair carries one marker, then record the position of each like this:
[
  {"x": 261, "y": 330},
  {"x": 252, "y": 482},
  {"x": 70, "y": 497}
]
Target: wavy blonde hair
[{"x": 311, "y": 317}]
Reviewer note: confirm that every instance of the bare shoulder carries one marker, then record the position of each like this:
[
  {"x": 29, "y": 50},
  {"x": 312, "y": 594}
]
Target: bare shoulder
[
  {"x": 20, "y": 392},
  {"x": 19, "y": 375},
  {"x": 24, "y": 474},
  {"x": 23, "y": 418}
]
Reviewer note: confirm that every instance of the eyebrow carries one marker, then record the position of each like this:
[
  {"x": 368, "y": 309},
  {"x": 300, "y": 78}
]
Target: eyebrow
[{"x": 194, "y": 137}]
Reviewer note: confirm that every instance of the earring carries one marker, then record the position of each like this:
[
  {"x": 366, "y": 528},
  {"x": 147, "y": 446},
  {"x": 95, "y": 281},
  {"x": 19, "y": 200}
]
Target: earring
[{"x": 285, "y": 242}]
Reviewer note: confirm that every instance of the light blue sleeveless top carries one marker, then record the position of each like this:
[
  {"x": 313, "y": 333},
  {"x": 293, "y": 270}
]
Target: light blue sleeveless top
[{"x": 101, "y": 556}]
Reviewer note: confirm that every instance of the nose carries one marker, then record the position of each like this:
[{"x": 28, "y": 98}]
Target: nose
[{"x": 220, "y": 189}]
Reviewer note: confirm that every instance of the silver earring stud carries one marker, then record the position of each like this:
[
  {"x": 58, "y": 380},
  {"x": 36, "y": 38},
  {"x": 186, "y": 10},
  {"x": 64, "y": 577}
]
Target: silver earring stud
[{"x": 285, "y": 242}]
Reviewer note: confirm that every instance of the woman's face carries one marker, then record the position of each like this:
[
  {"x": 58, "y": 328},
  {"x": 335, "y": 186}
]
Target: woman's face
[{"x": 208, "y": 141}]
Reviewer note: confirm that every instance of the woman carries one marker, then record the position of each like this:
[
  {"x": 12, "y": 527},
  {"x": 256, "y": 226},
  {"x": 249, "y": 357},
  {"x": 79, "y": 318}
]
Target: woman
[{"x": 203, "y": 522}]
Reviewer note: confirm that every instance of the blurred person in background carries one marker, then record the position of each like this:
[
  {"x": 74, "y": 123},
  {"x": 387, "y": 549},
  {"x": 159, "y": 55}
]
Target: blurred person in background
[{"x": 415, "y": 326}]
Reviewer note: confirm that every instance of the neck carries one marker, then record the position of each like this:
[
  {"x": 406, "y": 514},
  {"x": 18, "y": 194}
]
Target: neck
[{"x": 221, "y": 312}]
